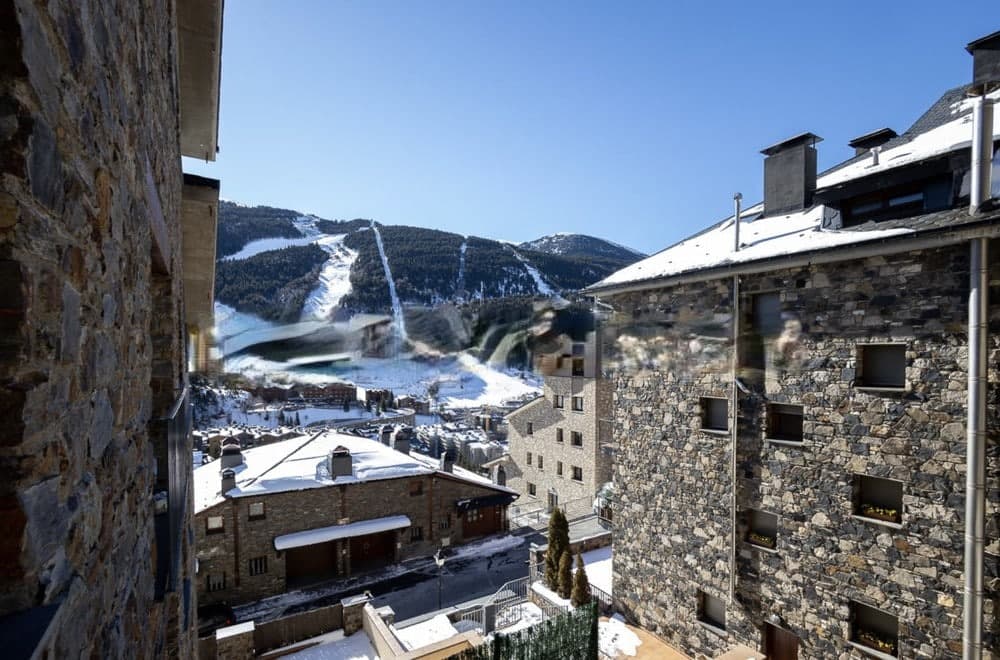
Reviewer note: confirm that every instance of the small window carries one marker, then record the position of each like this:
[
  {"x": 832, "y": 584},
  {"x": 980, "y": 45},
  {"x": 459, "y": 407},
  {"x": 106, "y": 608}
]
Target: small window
[
  {"x": 874, "y": 629},
  {"x": 541, "y": 462},
  {"x": 882, "y": 365},
  {"x": 577, "y": 366},
  {"x": 531, "y": 489},
  {"x": 256, "y": 510},
  {"x": 559, "y": 471},
  {"x": 576, "y": 438},
  {"x": 577, "y": 473},
  {"x": 215, "y": 582},
  {"x": 529, "y": 458},
  {"x": 579, "y": 349},
  {"x": 578, "y": 403},
  {"x": 784, "y": 422},
  {"x": 767, "y": 321},
  {"x": 878, "y": 499},
  {"x": 558, "y": 401},
  {"x": 445, "y": 522},
  {"x": 559, "y": 435},
  {"x": 416, "y": 488},
  {"x": 473, "y": 515},
  {"x": 214, "y": 525},
  {"x": 530, "y": 429},
  {"x": 762, "y": 529},
  {"x": 416, "y": 533},
  {"x": 711, "y": 610},
  {"x": 258, "y": 566},
  {"x": 714, "y": 414}
]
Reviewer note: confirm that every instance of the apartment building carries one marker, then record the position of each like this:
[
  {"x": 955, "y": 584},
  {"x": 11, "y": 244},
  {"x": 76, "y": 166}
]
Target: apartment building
[
  {"x": 803, "y": 397},
  {"x": 106, "y": 269}
]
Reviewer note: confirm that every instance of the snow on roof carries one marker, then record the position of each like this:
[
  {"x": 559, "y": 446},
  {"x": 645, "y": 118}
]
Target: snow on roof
[
  {"x": 804, "y": 231},
  {"x": 300, "y": 463},
  {"x": 334, "y": 532},
  {"x": 428, "y": 632},
  {"x": 237, "y": 629}
]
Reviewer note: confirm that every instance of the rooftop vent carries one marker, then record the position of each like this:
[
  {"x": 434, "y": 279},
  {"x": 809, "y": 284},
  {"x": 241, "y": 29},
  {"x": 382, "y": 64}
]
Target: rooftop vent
[
  {"x": 231, "y": 455},
  {"x": 985, "y": 53},
  {"x": 340, "y": 462},
  {"x": 228, "y": 480},
  {"x": 385, "y": 435},
  {"x": 401, "y": 439},
  {"x": 869, "y": 141},
  {"x": 448, "y": 461},
  {"x": 790, "y": 174}
]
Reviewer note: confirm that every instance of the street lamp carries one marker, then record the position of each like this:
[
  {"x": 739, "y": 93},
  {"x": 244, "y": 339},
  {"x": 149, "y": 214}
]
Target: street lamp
[{"x": 439, "y": 560}]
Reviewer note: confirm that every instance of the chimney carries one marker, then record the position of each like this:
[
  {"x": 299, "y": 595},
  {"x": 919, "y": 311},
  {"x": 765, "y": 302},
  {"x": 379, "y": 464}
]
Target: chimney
[
  {"x": 385, "y": 435},
  {"x": 401, "y": 439},
  {"x": 340, "y": 463},
  {"x": 868, "y": 141},
  {"x": 228, "y": 480},
  {"x": 985, "y": 78},
  {"x": 790, "y": 174},
  {"x": 448, "y": 461},
  {"x": 231, "y": 454}
]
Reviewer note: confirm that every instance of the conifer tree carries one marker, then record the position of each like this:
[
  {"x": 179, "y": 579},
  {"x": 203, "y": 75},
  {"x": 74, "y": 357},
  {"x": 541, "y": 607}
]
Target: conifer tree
[
  {"x": 566, "y": 573},
  {"x": 558, "y": 543},
  {"x": 581, "y": 585}
]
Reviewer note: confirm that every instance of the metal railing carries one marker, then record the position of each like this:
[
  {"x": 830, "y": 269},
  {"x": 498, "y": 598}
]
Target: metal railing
[
  {"x": 538, "y": 516},
  {"x": 171, "y": 438}
]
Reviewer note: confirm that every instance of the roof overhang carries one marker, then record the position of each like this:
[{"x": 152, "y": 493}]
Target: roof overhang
[
  {"x": 471, "y": 503},
  {"x": 199, "y": 223},
  {"x": 334, "y": 532},
  {"x": 199, "y": 36}
]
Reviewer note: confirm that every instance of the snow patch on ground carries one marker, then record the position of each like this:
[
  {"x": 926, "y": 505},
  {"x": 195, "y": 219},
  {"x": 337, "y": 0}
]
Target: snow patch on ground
[
  {"x": 526, "y": 615},
  {"x": 399, "y": 323},
  {"x": 540, "y": 284},
  {"x": 427, "y": 632},
  {"x": 334, "y": 278},
  {"x": 615, "y": 639},
  {"x": 267, "y": 244},
  {"x": 597, "y": 564},
  {"x": 355, "y": 647}
]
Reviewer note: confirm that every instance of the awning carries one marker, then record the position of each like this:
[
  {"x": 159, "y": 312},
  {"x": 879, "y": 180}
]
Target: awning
[
  {"x": 483, "y": 502},
  {"x": 334, "y": 532}
]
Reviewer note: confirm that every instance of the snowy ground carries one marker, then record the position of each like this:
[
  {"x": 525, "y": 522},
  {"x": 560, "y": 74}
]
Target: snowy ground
[
  {"x": 229, "y": 411},
  {"x": 334, "y": 278},
  {"x": 334, "y": 646},
  {"x": 433, "y": 630},
  {"x": 597, "y": 563},
  {"x": 615, "y": 640},
  {"x": 528, "y": 615}
]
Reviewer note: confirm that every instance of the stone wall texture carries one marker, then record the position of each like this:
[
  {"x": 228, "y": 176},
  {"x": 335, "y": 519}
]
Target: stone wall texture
[
  {"x": 90, "y": 339},
  {"x": 243, "y": 539},
  {"x": 673, "y": 522}
]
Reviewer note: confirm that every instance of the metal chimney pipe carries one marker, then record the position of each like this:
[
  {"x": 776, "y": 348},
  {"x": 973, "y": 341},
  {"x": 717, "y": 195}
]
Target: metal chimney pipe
[
  {"x": 982, "y": 152},
  {"x": 737, "y": 198}
]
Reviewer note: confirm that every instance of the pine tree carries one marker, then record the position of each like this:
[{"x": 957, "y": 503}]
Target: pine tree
[
  {"x": 566, "y": 574},
  {"x": 581, "y": 585},
  {"x": 347, "y": 404},
  {"x": 297, "y": 422},
  {"x": 558, "y": 544}
]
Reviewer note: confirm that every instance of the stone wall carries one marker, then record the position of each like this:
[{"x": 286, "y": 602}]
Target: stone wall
[
  {"x": 288, "y": 512},
  {"x": 673, "y": 523},
  {"x": 90, "y": 341}
]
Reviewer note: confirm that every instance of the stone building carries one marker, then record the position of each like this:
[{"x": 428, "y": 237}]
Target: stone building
[
  {"x": 329, "y": 505},
  {"x": 800, "y": 392},
  {"x": 558, "y": 450},
  {"x": 98, "y": 102}
]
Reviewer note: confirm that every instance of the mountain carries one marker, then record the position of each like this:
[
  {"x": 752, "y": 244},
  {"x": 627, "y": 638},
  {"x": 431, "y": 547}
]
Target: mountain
[
  {"x": 581, "y": 245},
  {"x": 285, "y": 266}
]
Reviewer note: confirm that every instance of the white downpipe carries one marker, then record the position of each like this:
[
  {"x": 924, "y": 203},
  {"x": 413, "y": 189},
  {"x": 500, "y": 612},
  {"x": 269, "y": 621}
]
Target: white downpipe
[
  {"x": 982, "y": 153},
  {"x": 734, "y": 430}
]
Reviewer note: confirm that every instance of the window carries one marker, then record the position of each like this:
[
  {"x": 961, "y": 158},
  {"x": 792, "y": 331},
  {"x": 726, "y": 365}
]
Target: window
[
  {"x": 577, "y": 473},
  {"x": 559, "y": 435},
  {"x": 529, "y": 458},
  {"x": 878, "y": 499},
  {"x": 558, "y": 401},
  {"x": 215, "y": 582},
  {"x": 579, "y": 349},
  {"x": 416, "y": 533},
  {"x": 766, "y": 311},
  {"x": 531, "y": 489},
  {"x": 577, "y": 366},
  {"x": 256, "y": 510},
  {"x": 874, "y": 629},
  {"x": 416, "y": 488},
  {"x": 784, "y": 422},
  {"x": 559, "y": 468},
  {"x": 711, "y": 610},
  {"x": 882, "y": 365},
  {"x": 541, "y": 462},
  {"x": 530, "y": 429},
  {"x": 714, "y": 414},
  {"x": 473, "y": 515},
  {"x": 578, "y": 403},
  {"x": 576, "y": 438},
  {"x": 445, "y": 523},
  {"x": 258, "y": 565},
  {"x": 214, "y": 525},
  {"x": 762, "y": 529}
]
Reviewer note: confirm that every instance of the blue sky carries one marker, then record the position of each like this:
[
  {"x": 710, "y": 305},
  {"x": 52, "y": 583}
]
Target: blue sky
[{"x": 633, "y": 121}]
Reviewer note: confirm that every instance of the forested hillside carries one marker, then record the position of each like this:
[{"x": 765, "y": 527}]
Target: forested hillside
[
  {"x": 492, "y": 270},
  {"x": 272, "y": 285},
  {"x": 238, "y": 225}
]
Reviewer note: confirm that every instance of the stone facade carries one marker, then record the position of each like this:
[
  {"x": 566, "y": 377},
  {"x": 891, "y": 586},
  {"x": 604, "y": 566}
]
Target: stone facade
[
  {"x": 429, "y": 501},
  {"x": 547, "y": 421},
  {"x": 91, "y": 322},
  {"x": 674, "y": 528}
]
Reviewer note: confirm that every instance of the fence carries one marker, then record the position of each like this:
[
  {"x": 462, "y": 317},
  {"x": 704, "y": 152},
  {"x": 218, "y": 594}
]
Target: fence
[
  {"x": 568, "y": 636},
  {"x": 286, "y": 630},
  {"x": 538, "y": 517}
]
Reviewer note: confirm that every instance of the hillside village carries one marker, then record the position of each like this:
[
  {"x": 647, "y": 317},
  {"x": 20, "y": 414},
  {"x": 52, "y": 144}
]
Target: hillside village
[{"x": 244, "y": 431}]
